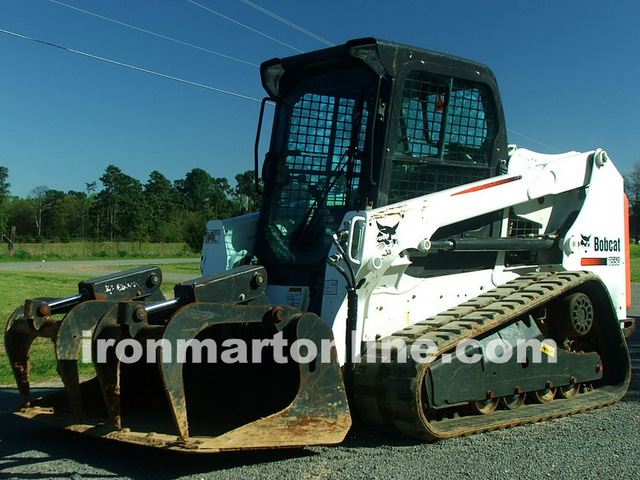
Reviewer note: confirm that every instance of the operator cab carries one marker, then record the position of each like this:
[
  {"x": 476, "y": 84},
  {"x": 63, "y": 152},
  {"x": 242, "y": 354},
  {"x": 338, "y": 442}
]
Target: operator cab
[{"x": 365, "y": 125}]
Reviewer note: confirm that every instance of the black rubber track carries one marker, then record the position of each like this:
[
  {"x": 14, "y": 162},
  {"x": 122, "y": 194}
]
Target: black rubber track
[{"x": 389, "y": 394}]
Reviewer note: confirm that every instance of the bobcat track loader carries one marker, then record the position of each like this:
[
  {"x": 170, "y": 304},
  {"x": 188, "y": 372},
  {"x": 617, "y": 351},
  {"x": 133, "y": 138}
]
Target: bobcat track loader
[{"x": 407, "y": 268}]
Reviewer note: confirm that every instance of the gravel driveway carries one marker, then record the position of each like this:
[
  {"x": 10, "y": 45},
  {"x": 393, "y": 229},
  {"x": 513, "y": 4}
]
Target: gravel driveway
[{"x": 602, "y": 444}]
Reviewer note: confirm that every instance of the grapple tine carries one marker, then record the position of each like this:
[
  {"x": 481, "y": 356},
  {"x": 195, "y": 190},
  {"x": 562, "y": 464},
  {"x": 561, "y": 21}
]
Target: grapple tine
[
  {"x": 83, "y": 318},
  {"x": 21, "y": 330},
  {"x": 35, "y": 319},
  {"x": 68, "y": 371},
  {"x": 108, "y": 367},
  {"x": 140, "y": 321},
  {"x": 17, "y": 346},
  {"x": 174, "y": 386}
]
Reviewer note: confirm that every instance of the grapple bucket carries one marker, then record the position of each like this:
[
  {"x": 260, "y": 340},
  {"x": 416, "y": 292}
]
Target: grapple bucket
[{"x": 215, "y": 368}]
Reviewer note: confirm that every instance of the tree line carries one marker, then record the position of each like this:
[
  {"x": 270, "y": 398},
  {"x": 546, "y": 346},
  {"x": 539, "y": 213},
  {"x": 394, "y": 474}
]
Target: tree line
[{"x": 125, "y": 209}]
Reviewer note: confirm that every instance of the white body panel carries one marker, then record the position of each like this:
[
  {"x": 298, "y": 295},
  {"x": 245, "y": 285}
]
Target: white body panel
[
  {"x": 227, "y": 242},
  {"x": 545, "y": 189}
]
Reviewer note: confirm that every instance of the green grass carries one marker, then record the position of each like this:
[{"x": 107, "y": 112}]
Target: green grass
[
  {"x": 634, "y": 251},
  {"x": 85, "y": 272},
  {"x": 15, "y": 287},
  {"x": 94, "y": 250},
  {"x": 186, "y": 267}
]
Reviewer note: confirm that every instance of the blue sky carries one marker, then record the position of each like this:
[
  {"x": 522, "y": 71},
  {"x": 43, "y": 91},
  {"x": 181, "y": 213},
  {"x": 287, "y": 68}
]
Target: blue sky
[{"x": 568, "y": 71}]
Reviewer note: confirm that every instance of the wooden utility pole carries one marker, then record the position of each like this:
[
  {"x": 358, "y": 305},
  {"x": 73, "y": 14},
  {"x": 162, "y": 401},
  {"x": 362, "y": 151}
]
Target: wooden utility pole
[{"x": 10, "y": 238}]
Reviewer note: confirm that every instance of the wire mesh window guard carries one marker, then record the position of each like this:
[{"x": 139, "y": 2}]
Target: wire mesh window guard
[
  {"x": 444, "y": 134},
  {"x": 326, "y": 136}
]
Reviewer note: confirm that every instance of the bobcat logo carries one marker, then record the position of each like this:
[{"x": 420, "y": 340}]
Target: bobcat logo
[
  {"x": 386, "y": 235},
  {"x": 586, "y": 241}
]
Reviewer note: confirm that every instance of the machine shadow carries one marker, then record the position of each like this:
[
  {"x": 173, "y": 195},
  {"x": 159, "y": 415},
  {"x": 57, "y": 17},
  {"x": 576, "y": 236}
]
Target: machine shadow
[
  {"x": 26, "y": 444},
  {"x": 29, "y": 443}
]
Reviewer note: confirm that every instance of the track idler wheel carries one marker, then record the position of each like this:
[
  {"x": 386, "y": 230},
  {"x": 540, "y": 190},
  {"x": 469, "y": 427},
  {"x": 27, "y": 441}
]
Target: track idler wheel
[{"x": 574, "y": 315}]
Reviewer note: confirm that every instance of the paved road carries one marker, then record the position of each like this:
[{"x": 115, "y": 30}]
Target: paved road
[{"x": 604, "y": 444}]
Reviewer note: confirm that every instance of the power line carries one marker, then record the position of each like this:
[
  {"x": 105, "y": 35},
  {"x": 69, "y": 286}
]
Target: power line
[
  {"x": 245, "y": 26},
  {"x": 133, "y": 67},
  {"x": 153, "y": 33},
  {"x": 182, "y": 80},
  {"x": 287, "y": 22},
  {"x": 534, "y": 141}
]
